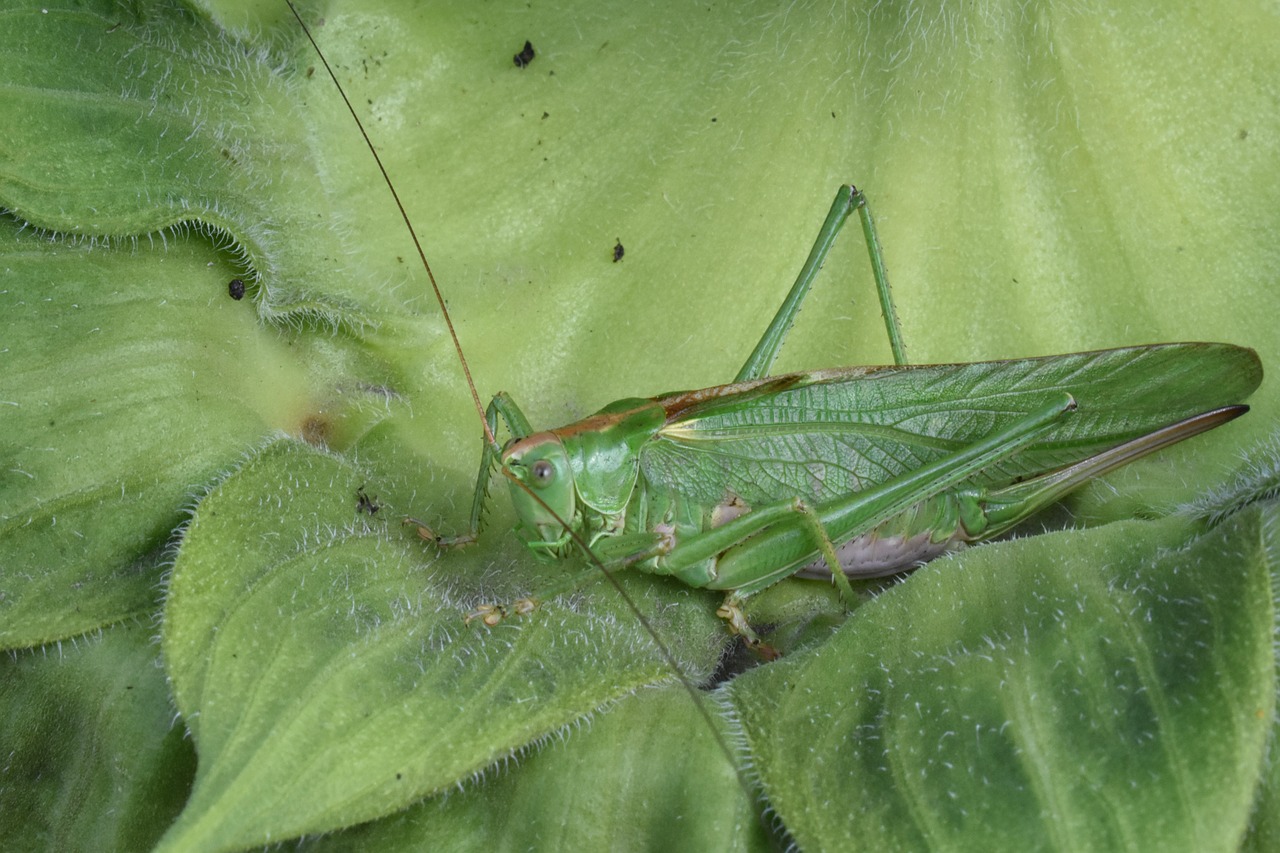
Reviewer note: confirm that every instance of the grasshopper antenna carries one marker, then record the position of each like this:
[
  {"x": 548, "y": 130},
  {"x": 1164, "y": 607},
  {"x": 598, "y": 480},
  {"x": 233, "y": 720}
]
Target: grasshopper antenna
[
  {"x": 417, "y": 244},
  {"x": 664, "y": 650}
]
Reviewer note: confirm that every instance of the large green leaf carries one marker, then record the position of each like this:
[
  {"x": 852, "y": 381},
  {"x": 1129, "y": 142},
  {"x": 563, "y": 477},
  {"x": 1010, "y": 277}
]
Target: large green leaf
[
  {"x": 130, "y": 376},
  {"x": 326, "y": 675},
  {"x": 94, "y": 758},
  {"x": 645, "y": 776},
  {"x": 1115, "y": 692},
  {"x": 1045, "y": 179}
]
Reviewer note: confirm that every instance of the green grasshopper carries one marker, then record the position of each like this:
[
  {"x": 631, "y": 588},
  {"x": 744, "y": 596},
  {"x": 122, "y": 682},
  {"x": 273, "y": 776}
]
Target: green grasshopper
[
  {"x": 847, "y": 472},
  {"x": 856, "y": 471}
]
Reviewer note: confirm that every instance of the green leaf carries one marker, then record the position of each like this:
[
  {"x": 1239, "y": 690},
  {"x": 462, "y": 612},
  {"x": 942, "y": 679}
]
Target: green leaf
[
  {"x": 326, "y": 675},
  {"x": 1114, "y": 689},
  {"x": 106, "y": 434},
  {"x": 130, "y": 376},
  {"x": 93, "y": 759},
  {"x": 647, "y": 775}
]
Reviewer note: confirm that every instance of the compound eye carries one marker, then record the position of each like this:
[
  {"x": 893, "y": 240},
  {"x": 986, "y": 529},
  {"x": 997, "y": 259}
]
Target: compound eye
[{"x": 543, "y": 473}]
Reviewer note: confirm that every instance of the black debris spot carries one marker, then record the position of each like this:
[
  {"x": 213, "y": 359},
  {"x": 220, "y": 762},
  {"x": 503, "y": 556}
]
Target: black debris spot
[
  {"x": 364, "y": 503},
  {"x": 525, "y": 56}
]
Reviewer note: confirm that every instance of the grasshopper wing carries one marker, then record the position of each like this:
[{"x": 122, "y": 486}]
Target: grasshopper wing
[{"x": 823, "y": 433}]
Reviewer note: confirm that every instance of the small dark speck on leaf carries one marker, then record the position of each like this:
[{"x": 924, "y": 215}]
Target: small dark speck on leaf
[
  {"x": 364, "y": 503},
  {"x": 618, "y": 251},
  {"x": 235, "y": 288},
  {"x": 525, "y": 56}
]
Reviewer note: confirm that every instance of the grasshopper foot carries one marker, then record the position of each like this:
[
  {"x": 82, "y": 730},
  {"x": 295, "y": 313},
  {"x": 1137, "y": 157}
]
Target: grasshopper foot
[
  {"x": 731, "y": 612},
  {"x": 427, "y": 534},
  {"x": 492, "y": 614},
  {"x": 489, "y": 614}
]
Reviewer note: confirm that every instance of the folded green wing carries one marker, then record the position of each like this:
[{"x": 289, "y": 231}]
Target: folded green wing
[{"x": 823, "y": 433}]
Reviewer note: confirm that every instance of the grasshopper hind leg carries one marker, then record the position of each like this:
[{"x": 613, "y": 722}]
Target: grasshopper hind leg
[{"x": 848, "y": 200}]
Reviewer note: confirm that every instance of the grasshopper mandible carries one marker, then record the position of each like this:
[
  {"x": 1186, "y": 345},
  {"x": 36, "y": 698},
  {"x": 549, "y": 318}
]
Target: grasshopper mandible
[{"x": 857, "y": 471}]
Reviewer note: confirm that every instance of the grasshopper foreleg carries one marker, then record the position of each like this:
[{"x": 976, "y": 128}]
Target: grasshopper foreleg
[{"x": 518, "y": 424}]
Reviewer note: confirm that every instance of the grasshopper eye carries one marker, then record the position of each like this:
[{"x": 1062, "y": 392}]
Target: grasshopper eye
[{"x": 543, "y": 473}]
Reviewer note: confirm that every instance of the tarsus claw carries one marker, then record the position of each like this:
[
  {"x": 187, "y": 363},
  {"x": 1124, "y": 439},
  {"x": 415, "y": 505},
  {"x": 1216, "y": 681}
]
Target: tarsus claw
[
  {"x": 492, "y": 614},
  {"x": 428, "y": 535},
  {"x": 489, "y": 614}
]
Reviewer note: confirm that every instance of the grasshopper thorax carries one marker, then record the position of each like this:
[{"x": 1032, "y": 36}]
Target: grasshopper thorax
[{"x": 542, "y": 489}]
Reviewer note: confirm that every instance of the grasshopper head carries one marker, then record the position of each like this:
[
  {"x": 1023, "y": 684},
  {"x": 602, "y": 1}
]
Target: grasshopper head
[{"x": 539, "y": 465}]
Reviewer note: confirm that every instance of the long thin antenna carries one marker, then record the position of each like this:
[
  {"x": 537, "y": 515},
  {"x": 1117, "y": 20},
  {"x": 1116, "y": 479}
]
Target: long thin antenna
[
  {"x": 417, "y": 244},
  {"x": 664, "y": 650}
]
